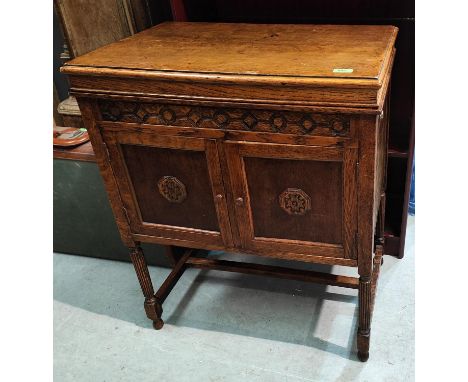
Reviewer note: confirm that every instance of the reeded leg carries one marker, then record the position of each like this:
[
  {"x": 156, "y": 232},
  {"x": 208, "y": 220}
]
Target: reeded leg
[
  {"x": 367, "y": 292},
  {"x": 365, "y": 312},
  {"x": 153, "y": 307}
]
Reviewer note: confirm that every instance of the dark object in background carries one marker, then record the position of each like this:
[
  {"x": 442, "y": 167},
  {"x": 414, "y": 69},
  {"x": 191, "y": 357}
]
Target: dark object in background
[{"x": 83, "y": 220}]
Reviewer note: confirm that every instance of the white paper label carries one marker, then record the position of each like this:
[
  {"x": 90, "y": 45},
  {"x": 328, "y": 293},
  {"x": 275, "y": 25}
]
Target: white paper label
[{"x": 340, "y": 70}]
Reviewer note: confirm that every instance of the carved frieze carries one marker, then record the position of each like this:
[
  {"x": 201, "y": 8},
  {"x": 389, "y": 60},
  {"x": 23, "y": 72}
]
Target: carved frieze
[{"x": 271, "y": 121}]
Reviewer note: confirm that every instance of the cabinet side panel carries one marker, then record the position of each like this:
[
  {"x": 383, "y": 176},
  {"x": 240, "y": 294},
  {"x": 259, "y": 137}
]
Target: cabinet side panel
[
  {"x": 367, "y": 128},
  {"x": 90, "y": 113},
  {"x": 381, "y": 156}
]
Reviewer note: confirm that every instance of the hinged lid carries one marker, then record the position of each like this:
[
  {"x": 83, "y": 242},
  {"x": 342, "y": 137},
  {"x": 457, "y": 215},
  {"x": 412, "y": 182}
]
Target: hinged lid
[{"x": 330, "y": 56}]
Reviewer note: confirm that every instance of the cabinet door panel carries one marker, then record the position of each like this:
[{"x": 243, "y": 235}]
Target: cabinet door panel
[
  {"x": 294, "y": 199},
  {"x": 170, "y": 186}
]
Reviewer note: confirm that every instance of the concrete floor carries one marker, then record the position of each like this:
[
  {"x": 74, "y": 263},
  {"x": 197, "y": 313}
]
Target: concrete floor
[{"x": 228, "y": 327}]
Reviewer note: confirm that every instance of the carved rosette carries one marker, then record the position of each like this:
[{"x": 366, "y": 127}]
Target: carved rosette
[
  {"x": 285, "y": 122},
  {"x": 172, "y": 189},
  {"x": 294, "y": 201}
]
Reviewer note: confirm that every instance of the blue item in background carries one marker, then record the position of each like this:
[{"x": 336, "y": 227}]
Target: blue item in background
[{"x": 411, "y": 206}]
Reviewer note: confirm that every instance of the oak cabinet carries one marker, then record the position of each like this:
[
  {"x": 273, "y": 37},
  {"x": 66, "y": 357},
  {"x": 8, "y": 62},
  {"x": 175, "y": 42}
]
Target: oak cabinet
[{"x": 263, "y": 139}]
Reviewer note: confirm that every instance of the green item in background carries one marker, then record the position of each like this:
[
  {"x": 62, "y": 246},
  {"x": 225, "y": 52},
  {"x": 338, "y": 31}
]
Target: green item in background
[{"x": 83, "y": 220}]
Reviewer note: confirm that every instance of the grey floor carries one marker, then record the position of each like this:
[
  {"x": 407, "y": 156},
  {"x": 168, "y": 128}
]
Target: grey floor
[{"x": 228, "y": 327}]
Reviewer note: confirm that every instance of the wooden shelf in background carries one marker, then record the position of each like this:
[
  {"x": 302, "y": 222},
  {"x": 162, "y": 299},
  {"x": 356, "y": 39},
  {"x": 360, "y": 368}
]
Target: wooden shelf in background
[{"x": 82, "y": 152}]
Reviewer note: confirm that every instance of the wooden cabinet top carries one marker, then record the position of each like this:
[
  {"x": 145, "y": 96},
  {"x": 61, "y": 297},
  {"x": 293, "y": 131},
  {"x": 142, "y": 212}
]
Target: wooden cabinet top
[{"x": 339, "y": 56}]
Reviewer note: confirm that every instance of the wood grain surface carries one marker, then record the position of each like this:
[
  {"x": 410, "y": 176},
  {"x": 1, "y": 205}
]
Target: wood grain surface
[
  {"x": 280, "y": 65},
  {"x": 265, "y": 50}
]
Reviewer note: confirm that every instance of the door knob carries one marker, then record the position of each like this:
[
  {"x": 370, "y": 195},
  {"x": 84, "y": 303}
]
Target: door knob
[{"x": 239, "y": 201}]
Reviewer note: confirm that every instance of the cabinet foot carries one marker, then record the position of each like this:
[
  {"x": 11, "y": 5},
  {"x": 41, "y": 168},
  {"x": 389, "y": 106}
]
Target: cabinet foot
[
  {"x": 158, "y": 324},
  {"x": 363, "y": 340},
  {"x": 363, "y": 356},
  {"x": 153, "y": 306},
  {"x": 154, "y": 311}
]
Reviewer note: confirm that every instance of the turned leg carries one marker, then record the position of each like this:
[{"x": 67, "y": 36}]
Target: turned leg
[
  {"x": 365, "y": 312},
  {"x": 367, "y": 292},
  {"x": 153, "y": 307}
]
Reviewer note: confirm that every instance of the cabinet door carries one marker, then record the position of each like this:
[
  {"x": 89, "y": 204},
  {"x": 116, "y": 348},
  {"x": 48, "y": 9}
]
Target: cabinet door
[
  {"x": 171, "y": 187},
  {"x": 295, "y": 199}
]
